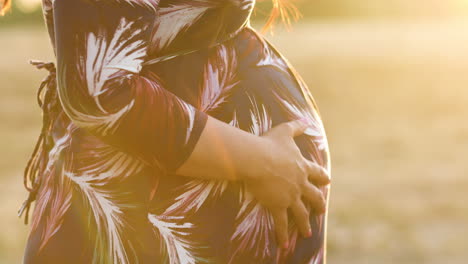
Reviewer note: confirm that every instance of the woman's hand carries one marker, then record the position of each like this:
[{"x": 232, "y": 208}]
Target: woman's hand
[
  {"x": 285, "y": 177},
  {"x": 271, "y": 166}
]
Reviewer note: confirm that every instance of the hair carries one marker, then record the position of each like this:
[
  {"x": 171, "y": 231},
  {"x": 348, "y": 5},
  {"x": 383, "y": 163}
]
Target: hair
[
  {"x": 284, "y": 10},
  {"x": 6, "y": 4}
]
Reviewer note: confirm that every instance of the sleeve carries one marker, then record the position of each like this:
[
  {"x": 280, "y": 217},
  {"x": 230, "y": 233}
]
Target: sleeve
[{"x": 100, "y": 48}]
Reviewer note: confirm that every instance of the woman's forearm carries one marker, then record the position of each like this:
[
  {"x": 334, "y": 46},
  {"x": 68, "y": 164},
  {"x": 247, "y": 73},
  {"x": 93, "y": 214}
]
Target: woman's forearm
[
  {"x": 224, "y": 152},
  {"x": 271, "y": 166}
]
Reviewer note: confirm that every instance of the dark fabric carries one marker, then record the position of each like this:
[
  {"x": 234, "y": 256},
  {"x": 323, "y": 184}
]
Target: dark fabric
[{"x": 137, "y": 80}]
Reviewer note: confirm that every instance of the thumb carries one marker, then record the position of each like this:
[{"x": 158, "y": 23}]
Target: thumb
[{"x": 297, "y": 127}]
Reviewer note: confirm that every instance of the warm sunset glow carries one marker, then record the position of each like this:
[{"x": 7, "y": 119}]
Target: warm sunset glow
[
  {"x": 463, "y": 6},
  {"x": 447, "y": 7},
  {"x": 390, "y": 78},
  {"x": 28, "y": 6}
]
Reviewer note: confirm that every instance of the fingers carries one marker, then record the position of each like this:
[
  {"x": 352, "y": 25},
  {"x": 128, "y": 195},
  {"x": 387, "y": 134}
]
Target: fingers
[
  {"x": 302, "y": 218},
  {"x": 297, "y": 127},
  {"x": 281, "y": 224},
  {"x": 315, "y": 197},
  {"x": 317, "y": 174}
]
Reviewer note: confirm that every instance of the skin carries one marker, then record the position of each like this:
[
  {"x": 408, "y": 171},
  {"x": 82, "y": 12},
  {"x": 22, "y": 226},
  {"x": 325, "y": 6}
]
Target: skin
[{"x": 265, "y": 164}]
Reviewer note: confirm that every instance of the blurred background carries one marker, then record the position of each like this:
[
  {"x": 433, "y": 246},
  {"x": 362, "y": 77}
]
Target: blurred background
[{"x": 391, "y": 81}]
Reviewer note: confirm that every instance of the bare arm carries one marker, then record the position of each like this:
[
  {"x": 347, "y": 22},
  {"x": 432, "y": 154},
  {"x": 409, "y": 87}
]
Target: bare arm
[
  {"x": 271, "y": 166},
  {"x": 222, "y": 153}
]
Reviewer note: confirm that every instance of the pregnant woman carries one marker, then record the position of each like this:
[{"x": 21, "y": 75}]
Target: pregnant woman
[{"x": 173, "y": 133}]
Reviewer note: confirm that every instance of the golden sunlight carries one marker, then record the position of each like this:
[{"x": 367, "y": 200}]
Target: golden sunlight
[
  {"x": 463, "y": 5},
  {"x": 28, "y": 6},
  {"x": 447, "y": 8}
]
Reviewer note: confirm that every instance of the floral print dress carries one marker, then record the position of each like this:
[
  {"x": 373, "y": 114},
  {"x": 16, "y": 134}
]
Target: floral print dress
[{"x": 134, "y": 84}]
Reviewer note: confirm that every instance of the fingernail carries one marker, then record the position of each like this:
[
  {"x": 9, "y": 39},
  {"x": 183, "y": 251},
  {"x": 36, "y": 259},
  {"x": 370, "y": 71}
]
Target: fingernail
[
  {"x": 286, "y": 245},
  {"x": 309, "y": 233}
]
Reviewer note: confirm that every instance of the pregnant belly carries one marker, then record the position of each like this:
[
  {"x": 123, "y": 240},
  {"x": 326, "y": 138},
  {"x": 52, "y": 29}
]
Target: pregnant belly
[{"x": 245, "y": 83}]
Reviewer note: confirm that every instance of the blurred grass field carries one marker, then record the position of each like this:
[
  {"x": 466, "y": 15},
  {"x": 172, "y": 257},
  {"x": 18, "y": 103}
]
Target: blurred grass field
[{"x": 394, "y": 99}]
